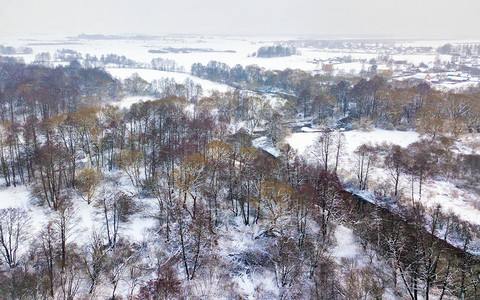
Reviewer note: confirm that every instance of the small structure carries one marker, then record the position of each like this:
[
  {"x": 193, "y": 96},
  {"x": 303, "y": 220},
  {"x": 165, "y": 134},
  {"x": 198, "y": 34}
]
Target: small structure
[{"x": 327, "y": 67}]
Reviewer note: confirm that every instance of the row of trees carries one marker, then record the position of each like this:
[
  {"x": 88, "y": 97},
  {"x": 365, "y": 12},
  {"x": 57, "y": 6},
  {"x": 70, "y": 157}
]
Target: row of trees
[
  {"x": 200, "y": 178},
  {"x": 199, "y": 183},
  {"x": 8, "y": 50},
  {"x": 120, "y": 61},
  {"x": 40, "y": 92},
  {"x": 276, "y": 51},
  {"x": 413, "y": 239},
  {"x": 390, "y": 105},
  {"x": 410, "y": 168},
  {"x": 163, "y": 88},
  {"x": 194, "y": 174},
  {"x": 414, "y": 246}
]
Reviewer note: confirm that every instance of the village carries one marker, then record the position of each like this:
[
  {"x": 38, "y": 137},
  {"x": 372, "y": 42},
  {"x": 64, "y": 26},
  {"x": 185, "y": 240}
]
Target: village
[{"x": 445, "y": 68}]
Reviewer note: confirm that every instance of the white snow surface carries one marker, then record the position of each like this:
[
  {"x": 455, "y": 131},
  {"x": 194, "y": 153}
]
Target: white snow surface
[
  {"x": 14, "y": 197},
  {"x": 236, "y": 240},
  {"x": 354, "y": 138},
  {"x": 230, "y": 50},
  {"x": 267, "y": 145},
  {"x": 151, "y": 75},
  {"x": 450, "y": 197},
  {"x": 347, "y": 246},
  {"x": 86, "y": 219},
  {"x": 127, "y": 101}
]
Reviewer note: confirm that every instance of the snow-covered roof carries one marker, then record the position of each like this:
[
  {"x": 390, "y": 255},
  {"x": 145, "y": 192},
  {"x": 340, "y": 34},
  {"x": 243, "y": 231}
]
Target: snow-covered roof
[{"x": 421, "y": 76}]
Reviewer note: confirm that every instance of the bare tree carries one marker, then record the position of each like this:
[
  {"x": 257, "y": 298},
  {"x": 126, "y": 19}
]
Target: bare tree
[
  {"x": 287, "y": 262},
  {"x": 395, "y": 162},
  {"x": 365, "y": 157},
  {"x": 165, "y": 286},
  {"x": 14, "y": 227},
  {"x": 324, "y": 148},
  {"x": 94, "y": 256},
  {"x": 193, "y": 239},
  {"x": 422, "y": 161},
  {"x": 118, "y": 262},
  {"x": 339, "y": 148},
  {"x": 115, "y": 207}
]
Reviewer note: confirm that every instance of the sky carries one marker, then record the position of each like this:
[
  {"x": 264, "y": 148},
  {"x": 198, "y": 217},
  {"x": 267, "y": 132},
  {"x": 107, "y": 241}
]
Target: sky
[{"x": 323, "y": 18}]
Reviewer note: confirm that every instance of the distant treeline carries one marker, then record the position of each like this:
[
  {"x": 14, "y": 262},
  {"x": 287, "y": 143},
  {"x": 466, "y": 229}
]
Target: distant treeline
[
  {"x": 462, "y": 50},
  {"x": 114, "y": 37},
  {"x": 372, "y": 100},
  {"x": 12, "y": 50},
  {"x": 120, "y": 61},
  {"x": 34, "y": 91},
  {"x": 187, "y": 50},
  {"x": 275, "y": 51}
]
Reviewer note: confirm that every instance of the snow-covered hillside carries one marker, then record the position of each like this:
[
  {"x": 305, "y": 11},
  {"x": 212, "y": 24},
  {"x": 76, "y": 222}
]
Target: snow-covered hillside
[{"x": 451, "y": 197}]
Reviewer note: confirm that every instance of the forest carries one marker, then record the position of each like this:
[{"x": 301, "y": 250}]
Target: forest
[{"x": 219, "y": 208}]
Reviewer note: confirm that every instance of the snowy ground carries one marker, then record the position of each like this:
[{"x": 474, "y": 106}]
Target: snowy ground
[
  {"x": 445, "y": 193},
  {"x": 266, "y": 144},
  {"x": 86, "y": 217},
  {"x": 237, "y": 240},
  {"x": 354, "y": 138},
  {"x": 126, "y": 102},
  {"x": 230, "y": 50},
  {"x": 14, "y": 197},
  {"x": 347, "y": 244},
  {"x": 150, "y": 75},
  {"x": 233, "y": 50}
]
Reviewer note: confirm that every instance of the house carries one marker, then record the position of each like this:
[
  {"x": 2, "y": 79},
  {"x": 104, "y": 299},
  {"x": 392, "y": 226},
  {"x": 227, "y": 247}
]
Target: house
[
  {"x": 327, "y": 67},
  {"x": 422, "y": 76},
  {"x": 457, "y": 77}
]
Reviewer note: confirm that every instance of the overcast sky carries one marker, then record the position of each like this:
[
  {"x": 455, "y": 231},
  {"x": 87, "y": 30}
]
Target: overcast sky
[{"x": 335, "y": 18}]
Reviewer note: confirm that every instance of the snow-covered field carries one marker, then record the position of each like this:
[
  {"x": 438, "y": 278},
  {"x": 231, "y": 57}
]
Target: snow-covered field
[
  {"x": 445, "y": 193},
  {"x": 86, "y": 217},
  {"x": 233, "y": 50},
  {"x": 207, "y": 49},
  {"x": 151, "y": 75},
  {"x": 354, "y": 138},
  {"x": 230, "y": 50},
  {"x": 237, "y": 238}
]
